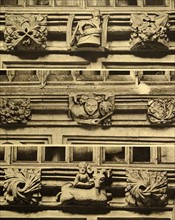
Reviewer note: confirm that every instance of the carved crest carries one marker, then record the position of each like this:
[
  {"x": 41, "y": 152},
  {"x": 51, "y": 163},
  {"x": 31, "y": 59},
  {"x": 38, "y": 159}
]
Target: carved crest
[
  {"x": 161, "y": 111},
  {"x": 90, "y": 33},
  {"x": 88, "y": 188},
  {"x": 92, "y": 109},
  {"x": 13, "y": 111},
  {"x": 146, "y": 188},
  {"x": 25, "y": 32},
  {"x": 22, "y": 186},
  {"x": 149, "y": 32}
]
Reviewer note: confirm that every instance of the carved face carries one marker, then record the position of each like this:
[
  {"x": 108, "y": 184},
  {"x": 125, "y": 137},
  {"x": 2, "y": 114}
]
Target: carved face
[
  {"x": 91, "y": 106},
  {"x": 82, "y": 169}
]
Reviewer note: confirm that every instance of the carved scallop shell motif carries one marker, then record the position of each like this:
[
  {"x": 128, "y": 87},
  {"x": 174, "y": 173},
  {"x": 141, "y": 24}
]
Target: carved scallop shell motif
[
  {"x": 146, "y": 188},
  {"x": 22, "y": 186}
]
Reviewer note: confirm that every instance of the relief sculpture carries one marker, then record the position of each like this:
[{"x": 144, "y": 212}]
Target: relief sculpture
[
  {"x": 149, "y": 32},
  {"x": 14, "y": 111},
  {"x": 22, "y": 186},
  {"x": 88, "y": 33},
  {"x": 92, "y": 109},
  {"x": 161, "y": 111},
  {"x": 88, "y": 188},
  {"x": 25, "y": 32},
  {"x": 146, "y": 188}
]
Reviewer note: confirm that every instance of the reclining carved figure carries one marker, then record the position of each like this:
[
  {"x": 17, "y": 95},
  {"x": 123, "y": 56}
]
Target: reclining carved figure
[{"x": 86, "y": 191}]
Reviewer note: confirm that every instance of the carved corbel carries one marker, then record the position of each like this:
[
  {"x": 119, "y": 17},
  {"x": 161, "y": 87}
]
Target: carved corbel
[
  {"x": 146, "y": 188},
  {"x": 149, "y": 32},
  {"x": 22, "y": 186},
  {"x": 92, "y": 109},
  {"x": 161, "y": 111},
  {"x": 88, "y": 34},
  {"x": 14, "y": 111},
  {"x": 27, "y": 32}
]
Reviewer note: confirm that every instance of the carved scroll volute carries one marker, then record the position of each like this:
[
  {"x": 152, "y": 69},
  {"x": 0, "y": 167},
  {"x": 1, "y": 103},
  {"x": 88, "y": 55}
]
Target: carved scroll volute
[
  {"x": 25, "y": 32},
  {"x": 149, "y": 32},
  {"x": 161, "y": 111},
  {"x": 22, "y": 186},
  {"x": 90, "y": 33},
  {"x": 146, "y": 188},
  {"x": 14, "y": 111},
  {"x": 92, "y": 109}
]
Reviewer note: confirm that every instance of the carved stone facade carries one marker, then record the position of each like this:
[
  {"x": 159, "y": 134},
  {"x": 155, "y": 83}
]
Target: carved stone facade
[
  {"x": 22, "y": 186},
  {"x": 25, "y": 32},
  {"x": 146, "y": 188},
  {"x": 92, "y": 109},
  {"x": 161, "y": 111},
  {"x": 14, "y": 111},
  {"x": 149, "y": 32}
]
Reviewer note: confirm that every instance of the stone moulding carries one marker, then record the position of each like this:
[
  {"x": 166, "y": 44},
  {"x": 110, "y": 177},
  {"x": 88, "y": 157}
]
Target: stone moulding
[
  {"x": 161, "y": 111},
  {"x": 14, "y": 111},
  {"x": 146, "y": 188},
  {"x": 25, "y": 32},
  {"x": 149, "y": 32},
  {"x": 92, "y": 109},
  {"x": 22, "y": 186}
]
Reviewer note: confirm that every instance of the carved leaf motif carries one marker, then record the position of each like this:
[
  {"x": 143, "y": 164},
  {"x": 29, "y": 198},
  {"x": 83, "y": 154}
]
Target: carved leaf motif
[
  {"x": 146, "y": 188},
  {"x": 161, "y": 111},
  {"x": 14, "y": 111},
  {"x": 25, "y": 32},
  {"x": 22, "y": 186}
]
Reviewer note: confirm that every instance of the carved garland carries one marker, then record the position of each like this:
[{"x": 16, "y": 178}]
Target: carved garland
[
  {"x": 25, "y": 32},
  {"x": 15, "y": 111},
  {"x": 146, "y": 188},
  {"x": 22, "y": 186},
  {"x": 161, "y": 111}
]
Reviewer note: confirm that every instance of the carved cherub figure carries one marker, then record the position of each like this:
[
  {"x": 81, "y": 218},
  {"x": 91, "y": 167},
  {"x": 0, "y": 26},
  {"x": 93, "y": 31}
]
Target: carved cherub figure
[{"x": 83, "y": 178}]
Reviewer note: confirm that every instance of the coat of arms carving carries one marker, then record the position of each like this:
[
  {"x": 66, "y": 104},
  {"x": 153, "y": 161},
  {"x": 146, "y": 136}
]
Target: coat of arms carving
[
  {"x": 161, "y": 111},
  {"x": 25, "y": 32}
]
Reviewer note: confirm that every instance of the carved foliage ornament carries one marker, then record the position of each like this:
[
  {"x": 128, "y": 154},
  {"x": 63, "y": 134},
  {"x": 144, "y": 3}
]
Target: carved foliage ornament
[
  {"x": 22, "y": 186},
  {"x": 25, "y": 32},
  {"x": 149, "y": 31},
  {"x": 88, "y": 188},
  {"x": 15, "y": 111},
  {"x": 92, "y": 109},
  {"x": 161, "y": 111},
  {"x": 146, "y": 188}
]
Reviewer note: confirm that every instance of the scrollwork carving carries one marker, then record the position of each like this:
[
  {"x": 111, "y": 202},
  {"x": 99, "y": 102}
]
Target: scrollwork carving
[
  {"x": 22, "y": 186},
  {"x": 146, "y": 188},
  {"x": 13, "y": 111},
  {"x": 25, "y": 32},
  {"x": 149, "y": 32},
  {"x": 161, "y": 111},
  {"x": 92, "y": 109}
]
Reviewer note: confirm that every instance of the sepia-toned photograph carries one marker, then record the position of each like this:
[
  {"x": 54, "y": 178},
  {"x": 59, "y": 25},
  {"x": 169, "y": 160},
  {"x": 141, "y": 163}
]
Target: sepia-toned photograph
[{"x": 87, "y": 109}]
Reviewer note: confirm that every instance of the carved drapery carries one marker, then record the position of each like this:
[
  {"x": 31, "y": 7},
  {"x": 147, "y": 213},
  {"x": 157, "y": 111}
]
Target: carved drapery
[
  {"x": 161, "y": 111},
  {"x": 146, "y": 188},
  {"x": 90, "y": 33},
  {"x": 88, "y": 188},
  {"x": 25, "y": 32},
  {"x": 42, "y": 76},
  {"x": 91, "y": 109},
  {"x": 149, "y": 32},
  {"x": 22, "y": 186},
  {"x": 14, "y": 111}
]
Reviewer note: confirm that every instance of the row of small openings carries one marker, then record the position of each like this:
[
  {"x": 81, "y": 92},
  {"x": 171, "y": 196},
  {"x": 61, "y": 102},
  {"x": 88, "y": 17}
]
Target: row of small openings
[
  {"x": 54, "y": 76},
  {"x": 107, "y": 155},
  {"x": 88, "y": 3}
]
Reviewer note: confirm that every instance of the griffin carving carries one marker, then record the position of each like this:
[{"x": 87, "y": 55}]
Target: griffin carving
[
  {"x": 15, "y": 111},
  {"x": 22, "y": 186},
  {"x": 25, "y": 32},
  {"x": 146, "y": 188},
  {"x": 149, "y": 31},
  {"x": 161, "y": 111},
  {"x": 92, "y": 109}
]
